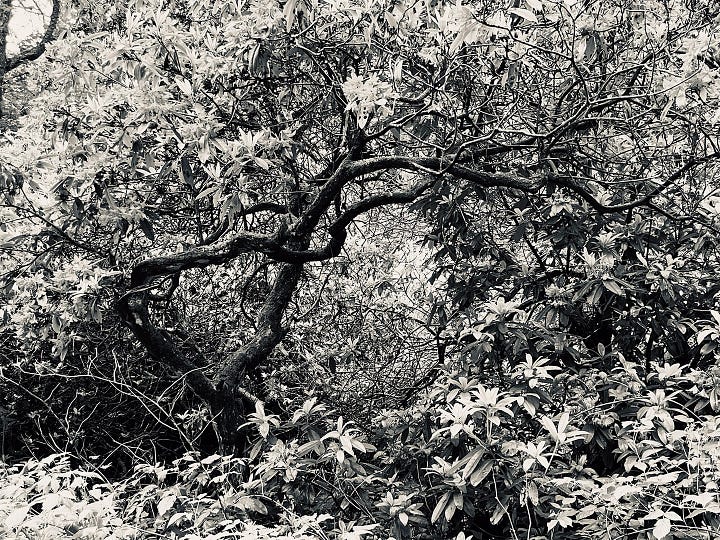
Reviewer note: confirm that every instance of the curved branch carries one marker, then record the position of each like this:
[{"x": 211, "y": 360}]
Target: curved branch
[
  {"x": 263, "y": 206},
  {"x": 289, "y": 245},
  {"x": 273, "y": 245},
  {"x": 201, "y": 256},
  {"x": 221, "y": 393},
  {"x": 134, "y": 311},
  {"x": 338, "y": 228},
  {"x": 569, "y": 183},
  {"x": 36, "y": 52},
  {"x": 376, "y": 201}
]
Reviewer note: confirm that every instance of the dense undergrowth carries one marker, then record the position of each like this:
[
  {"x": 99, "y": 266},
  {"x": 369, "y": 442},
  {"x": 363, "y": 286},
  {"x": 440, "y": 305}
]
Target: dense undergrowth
[{"x": 537, "y": 456}]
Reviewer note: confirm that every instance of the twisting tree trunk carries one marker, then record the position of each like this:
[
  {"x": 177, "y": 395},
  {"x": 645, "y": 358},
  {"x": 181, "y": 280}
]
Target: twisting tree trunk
[{"x": 290, "y": 245}]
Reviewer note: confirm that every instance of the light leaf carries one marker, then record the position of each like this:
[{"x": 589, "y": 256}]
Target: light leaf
[
  {"x": 289, "y": 14},
  {"x": 16, "y": 517},
  {"x": 450, "y": 511},
  {"x": 613, "y": 286},
  {"x": 473, "y": 460},
  {"x": 184, "y": 86},
  {"x": 524, "y": 14},
  {"x": 662, "y": 528},
  {"x": 346, "y": 444},
  {"x": 497, "y": 514},
  {"x": 480, "y": 474},
  {"x": 549, "y": 427},
  {"x": 176, "y": 518},
  {"x": 440, "y": 508},
  {"x": 563, "y": 422},
  {"x": 166, "y": 503}
]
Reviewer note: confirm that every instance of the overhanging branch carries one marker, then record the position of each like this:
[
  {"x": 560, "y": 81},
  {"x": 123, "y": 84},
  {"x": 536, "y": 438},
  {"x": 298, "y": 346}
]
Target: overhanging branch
[
  {"x": 35, "y": 52},
  {"x": 290, "y": 246},
  {"x": 568, "y": 182}
]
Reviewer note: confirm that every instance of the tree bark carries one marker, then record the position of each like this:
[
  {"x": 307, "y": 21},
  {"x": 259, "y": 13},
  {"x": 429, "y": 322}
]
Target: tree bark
[
  {"x": 36, "y": 51},
  {"x": 4, "y": 29},
  {"x": 8, "y": 64}
]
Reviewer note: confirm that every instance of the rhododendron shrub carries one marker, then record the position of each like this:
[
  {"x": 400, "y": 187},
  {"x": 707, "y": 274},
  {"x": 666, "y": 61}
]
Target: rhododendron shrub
[{"x": 433, "y": 269}]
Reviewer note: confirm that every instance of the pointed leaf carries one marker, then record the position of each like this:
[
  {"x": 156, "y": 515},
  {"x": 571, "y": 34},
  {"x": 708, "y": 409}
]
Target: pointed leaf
[
  {"x": 289, "y": 13},
  {"x": 524, "y": 14},
  {"x": 346, "y": 444},
  {"x": 450, "y": 511},
  {"x": 549, "y": 427},
  {"x": 146, "y": 227},
  {"x": 473, "y": 460},
  {"x": 563, "y": 422},
  {"x": 480, "y": 474},
  {"x": 440, "y": 508}
]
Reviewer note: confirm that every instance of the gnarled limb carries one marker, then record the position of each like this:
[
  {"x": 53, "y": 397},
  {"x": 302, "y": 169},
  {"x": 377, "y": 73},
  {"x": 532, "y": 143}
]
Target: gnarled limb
[
  {"x": 38, "y": 49},
  {"x": 289, "y": 245},
  {"x": 645, "y": 200},
  {"x": 136, "y": 314}
]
